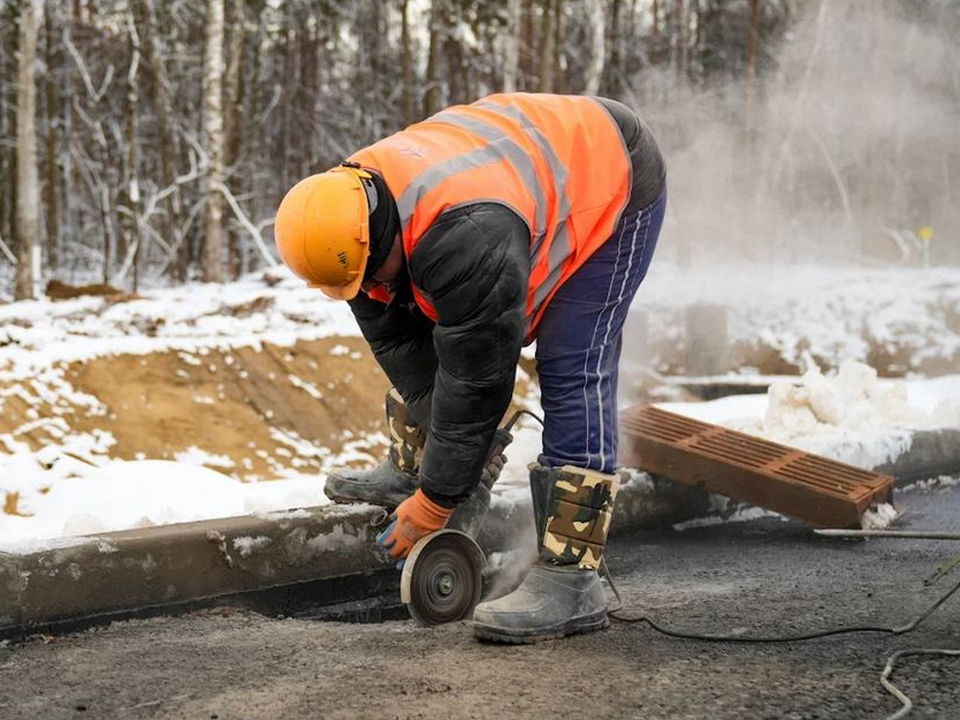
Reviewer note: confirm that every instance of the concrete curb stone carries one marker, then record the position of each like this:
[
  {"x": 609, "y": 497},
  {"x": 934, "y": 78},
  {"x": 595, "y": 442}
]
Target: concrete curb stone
[
  {"x": 323, "y": 556},
  {"x": 136, "y": 570},
  {"x": 932, "y": 453}
]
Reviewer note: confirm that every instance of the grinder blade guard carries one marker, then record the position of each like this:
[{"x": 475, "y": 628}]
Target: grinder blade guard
[{"x": 442, "y": 578}]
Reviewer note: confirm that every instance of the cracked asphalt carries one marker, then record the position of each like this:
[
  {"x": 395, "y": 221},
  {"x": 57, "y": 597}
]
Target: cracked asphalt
[{"x": 764, "y": 577}]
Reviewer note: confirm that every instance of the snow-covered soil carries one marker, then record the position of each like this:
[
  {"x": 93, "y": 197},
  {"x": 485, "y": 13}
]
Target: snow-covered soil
[
  {"x": 907, "y": 317},
  {"x": 180, "y": 404},
  {"x": 783, "y": 318}
]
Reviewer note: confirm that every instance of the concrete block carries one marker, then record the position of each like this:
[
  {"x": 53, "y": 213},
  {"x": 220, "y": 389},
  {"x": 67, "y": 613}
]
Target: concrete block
[
  {"x": 9, "y": 592},
  {"x": 134, "y": 570}
]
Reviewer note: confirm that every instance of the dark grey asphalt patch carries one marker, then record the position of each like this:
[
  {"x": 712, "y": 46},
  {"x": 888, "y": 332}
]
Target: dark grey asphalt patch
[{"x": 762, "y": 576}]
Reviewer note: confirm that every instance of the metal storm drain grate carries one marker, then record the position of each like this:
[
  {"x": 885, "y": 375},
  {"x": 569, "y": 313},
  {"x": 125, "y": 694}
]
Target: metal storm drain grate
[{"x": 780, "y": 478}]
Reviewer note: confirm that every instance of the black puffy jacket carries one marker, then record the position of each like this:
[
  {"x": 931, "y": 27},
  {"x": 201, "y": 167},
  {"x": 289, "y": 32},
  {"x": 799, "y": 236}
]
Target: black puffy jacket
[{"x": 457, "y": 375}]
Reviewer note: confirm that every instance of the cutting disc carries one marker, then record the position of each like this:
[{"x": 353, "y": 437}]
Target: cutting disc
[{"x": 442, "y": 578}]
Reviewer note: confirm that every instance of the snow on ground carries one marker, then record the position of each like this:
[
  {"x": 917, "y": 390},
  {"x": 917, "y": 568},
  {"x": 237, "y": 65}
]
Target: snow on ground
[
  {"x": 35, "y": 335},
  {"x": 851, "y": 416},
  {"x": 829, "y": 313},
  {"x": 803, "y": 312},
  {"x": 123, "y": 495},
  {"x": 77, "y": 489}
]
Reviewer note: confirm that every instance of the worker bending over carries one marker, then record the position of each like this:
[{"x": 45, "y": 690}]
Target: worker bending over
[{"x": 456, "y": 241}]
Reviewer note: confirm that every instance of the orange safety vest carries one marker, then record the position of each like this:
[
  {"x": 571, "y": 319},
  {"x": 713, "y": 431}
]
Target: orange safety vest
[{"x": 558, "y": 161}]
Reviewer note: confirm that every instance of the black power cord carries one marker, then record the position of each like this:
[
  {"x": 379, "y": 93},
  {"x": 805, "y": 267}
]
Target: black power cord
[
  {"x": 894, "y": 690},
  {"x": 907, "y": 704}
]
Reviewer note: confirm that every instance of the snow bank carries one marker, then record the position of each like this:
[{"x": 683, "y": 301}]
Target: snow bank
[
  {"x": 275, "y": 307},
  {"x": 121, "y": 495},
  {"x": 802, "y": 311},
  {"x": 851, "y": 416}
]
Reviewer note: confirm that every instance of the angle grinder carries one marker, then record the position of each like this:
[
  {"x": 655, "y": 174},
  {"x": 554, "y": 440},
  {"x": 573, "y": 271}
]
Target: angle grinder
[{"x": 442, "y": 577}]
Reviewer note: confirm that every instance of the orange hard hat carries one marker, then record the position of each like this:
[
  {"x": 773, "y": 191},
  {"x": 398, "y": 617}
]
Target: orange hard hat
[{"x": 322, "y": 230}]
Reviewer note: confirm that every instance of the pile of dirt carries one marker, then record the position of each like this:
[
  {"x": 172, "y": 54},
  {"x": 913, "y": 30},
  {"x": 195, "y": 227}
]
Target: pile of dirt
[
  {"x": 262, "y": 409},
  {"x": 57, "y": 290}
]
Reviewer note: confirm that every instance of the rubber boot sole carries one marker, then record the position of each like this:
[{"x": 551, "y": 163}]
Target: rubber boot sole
[{"x": 576, "y": 626}]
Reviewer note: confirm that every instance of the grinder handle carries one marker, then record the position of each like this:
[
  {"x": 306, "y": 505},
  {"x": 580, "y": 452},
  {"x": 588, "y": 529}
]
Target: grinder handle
[{"x": 501, "y": 439}]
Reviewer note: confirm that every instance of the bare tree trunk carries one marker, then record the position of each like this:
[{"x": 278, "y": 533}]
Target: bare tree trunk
[
  {"x": 133, "y": 152},
  {"x": 749, "y": 119},
  {"x": 213, "y": 134},
  {"x": 287, "y": 96},
  {"x": 680, "y": 35},
  {"x": 8, "y": 152},
  {"x": 431, "y": 97},
  {"x": 69, "y": 226},
  {"x": 28, "y": 186},
  {"x": 454, "y": 61},
  {"x": 406, "y": 63},
  {"x": 546, "y": 47},
  {"x": 597, "y": 49},
  {"x": 170, "y": 222},
  {"x": 615, "y": 71},
  {"x": 232, "y": 122},
  {"x": 511, "y": 53},
  {"x": 51, "y": 186},
  {"x": 655, "y": 32},
  {"x": 527, "y": 46},
  {"x": 559, "y": 67}
]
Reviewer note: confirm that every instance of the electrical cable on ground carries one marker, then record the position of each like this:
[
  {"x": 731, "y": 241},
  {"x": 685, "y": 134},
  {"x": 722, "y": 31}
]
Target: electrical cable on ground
[
  {"x": 892, "y": 689},
  {"x": 778, "y": 639}
]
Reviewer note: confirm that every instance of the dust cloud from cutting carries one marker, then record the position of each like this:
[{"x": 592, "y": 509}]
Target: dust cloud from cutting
[{"x": 842, "y": 149}]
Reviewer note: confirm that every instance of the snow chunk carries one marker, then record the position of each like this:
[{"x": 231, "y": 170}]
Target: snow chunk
[
  {"x": 247, "y": 545},
  {"x": 880, "y": 517},
  {"x": 853, "y": 416},
  {"x": 309, "y": 388}
]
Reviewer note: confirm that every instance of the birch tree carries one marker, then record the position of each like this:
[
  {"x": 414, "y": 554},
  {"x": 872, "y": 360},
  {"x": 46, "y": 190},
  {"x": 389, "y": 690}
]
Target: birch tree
[
  {"x": 597, "y": 47},
  {"x": 406, "y": 63},
  {"x": 511, "y": 53},
  {"x": 213, "y": 133},
  {"x": 51, "y": 199},
  {"x": 162, "y": 105},
  {"x": 431, "y": 94},
  {"x": 547, "y": 46},
  {"x": 28, "y": 186}
]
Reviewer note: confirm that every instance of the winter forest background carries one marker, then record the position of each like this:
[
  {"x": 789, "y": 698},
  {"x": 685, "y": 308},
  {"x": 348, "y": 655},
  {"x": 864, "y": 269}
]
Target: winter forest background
[{"x": 148, "y": 142}]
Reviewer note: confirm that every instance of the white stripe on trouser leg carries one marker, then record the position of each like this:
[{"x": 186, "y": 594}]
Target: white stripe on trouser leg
[
  {"x": 606, "y": 337},
  {"x": 593, "y": 339},
  {"x": 648, "y": 222}
]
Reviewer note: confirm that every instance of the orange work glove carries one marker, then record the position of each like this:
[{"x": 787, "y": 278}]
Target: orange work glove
[{"x": 415, "y": 517}]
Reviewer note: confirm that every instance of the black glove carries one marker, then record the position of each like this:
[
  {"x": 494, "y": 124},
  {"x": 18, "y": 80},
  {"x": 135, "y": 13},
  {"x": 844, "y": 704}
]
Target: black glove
[
  {"x": 491, "y": 473},
  {"x": 493, "y": 468}
]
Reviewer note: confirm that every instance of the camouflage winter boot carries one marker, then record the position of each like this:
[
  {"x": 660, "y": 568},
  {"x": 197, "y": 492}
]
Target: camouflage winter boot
[
  {"x": 393, "y": 480},
  {"x": 562, "y": 595}
]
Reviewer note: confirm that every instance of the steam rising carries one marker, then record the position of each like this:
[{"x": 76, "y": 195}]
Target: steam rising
[{"x": 851, "y": 145}]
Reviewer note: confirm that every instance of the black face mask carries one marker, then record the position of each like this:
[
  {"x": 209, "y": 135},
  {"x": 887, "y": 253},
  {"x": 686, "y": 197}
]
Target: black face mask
[{"x": 384, "y": 223}]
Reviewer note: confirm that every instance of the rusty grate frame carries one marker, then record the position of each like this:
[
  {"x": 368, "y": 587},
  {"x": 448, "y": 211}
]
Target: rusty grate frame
[{"x": 791, "y": 482}]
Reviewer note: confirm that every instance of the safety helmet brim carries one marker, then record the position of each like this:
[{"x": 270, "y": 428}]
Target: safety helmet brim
[
  {"x": 345, "y": 292},
  {"x": 322, "y": 231}
]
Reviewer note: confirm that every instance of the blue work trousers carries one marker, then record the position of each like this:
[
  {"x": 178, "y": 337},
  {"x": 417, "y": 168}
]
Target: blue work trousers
[{"x": 579, "y": 340}]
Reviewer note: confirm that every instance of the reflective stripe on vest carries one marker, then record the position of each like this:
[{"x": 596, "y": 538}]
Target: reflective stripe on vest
[{"x": 559, "y": 162}]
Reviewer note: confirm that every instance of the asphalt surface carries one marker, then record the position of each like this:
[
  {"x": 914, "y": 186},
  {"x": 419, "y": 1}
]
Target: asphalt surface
[{"x": 761, "y": 577}]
